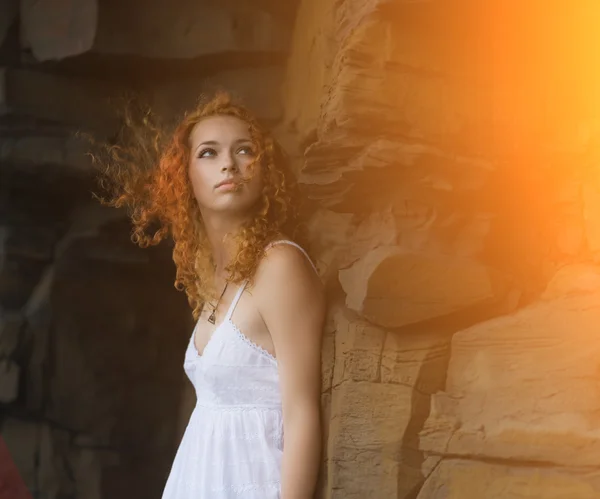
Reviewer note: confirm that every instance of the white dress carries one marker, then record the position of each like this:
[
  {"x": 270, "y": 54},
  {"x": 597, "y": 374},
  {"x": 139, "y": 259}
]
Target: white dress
[{"x": 233, "y": 444}]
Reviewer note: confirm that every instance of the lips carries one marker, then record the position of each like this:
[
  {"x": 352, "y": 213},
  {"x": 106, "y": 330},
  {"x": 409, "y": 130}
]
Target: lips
[{"x": 229, "y": 182}]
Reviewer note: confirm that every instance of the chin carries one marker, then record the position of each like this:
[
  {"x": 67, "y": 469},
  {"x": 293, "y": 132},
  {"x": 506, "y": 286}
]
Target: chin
[{"x": 236, "y": 205}]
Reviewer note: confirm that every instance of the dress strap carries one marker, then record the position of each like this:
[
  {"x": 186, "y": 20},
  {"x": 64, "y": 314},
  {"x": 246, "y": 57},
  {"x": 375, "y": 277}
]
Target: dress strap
[
  {"x": 235, "y": 300},
  {"x": 292, "y": 243}
]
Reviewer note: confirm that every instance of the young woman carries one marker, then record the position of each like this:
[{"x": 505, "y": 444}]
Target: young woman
[{"x": 223, "y": 190}]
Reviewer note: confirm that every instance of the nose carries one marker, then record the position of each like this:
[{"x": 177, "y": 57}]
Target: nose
[{"x": 229, "y": 163}]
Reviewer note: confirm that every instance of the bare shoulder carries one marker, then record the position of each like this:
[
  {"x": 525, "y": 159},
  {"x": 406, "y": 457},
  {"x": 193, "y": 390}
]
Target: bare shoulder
[
  {"x": 288, "y": 259},
  {"x": 285, "y": 273}
]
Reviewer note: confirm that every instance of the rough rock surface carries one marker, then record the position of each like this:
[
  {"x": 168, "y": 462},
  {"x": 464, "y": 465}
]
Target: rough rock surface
[
  {"x": 452, "y": 190},
  {"x": 377, "y": 373},
  {"x": 523, "y": 387},
  {"x": 427, "y": 289},
  {"x": 460, "y": 479},
  {"x": 54, "y": 29},
  {"x": 8, "y": 16},
  {"x": 253, "y": 85},
  {"x": 84, "y": 357}
]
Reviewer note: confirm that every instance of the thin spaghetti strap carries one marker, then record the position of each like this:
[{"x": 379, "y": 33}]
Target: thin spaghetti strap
[
  {"x": 235, "y": 300},
  {"x": 292, "y": 243}
]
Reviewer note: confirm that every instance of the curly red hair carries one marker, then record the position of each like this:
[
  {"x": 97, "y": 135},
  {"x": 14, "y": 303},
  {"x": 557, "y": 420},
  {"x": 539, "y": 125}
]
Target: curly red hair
[{"x": 147, "y": 172}]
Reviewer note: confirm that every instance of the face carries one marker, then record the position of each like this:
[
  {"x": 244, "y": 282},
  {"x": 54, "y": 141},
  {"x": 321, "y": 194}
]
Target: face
[{"x": 219, "y": 170}]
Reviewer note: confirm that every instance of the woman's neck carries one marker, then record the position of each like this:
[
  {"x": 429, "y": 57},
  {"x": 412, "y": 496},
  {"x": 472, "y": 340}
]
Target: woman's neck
[{"x": 221, "y": 234}]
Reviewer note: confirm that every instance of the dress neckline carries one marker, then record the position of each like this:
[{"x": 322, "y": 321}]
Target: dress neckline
[
  {"x": 226, "y": 319},
  {"x": 238, "y": 335}
]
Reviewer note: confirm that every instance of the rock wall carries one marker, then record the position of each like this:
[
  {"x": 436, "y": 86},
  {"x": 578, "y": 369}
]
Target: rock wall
[
  {"x": 451, "y": 150},
  {"x": 520, "y": 403},
  {"x": 93, "y": 398},
  {"x": 89, "y": 375}
]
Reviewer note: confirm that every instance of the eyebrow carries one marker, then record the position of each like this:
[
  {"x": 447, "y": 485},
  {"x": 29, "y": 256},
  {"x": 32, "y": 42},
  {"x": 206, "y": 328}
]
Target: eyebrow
[{"x": 216, "y": 143}]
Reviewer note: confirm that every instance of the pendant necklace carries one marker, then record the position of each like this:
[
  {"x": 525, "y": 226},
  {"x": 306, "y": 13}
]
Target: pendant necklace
[{"x": 212, "y": 317}]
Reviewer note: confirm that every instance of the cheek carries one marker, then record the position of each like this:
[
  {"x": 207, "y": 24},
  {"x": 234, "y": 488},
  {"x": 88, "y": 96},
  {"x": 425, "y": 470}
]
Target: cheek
[{"x": 198, "y": 180}]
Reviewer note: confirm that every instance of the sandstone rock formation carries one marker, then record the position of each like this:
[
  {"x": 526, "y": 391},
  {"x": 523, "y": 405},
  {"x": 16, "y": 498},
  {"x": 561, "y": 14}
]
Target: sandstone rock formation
[
  {"x": 523, "y": 387},
  {"x": 450, "y": 192},
  {"x": 450, "y": 151}
]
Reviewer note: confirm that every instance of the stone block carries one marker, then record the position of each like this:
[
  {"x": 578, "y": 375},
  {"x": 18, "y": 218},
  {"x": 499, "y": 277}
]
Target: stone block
[
  {"x": 68, "y": 468},
  {"x": 38, "y": 308},
  {"x": 150, "y": 28},
  {"x": 356, "y": 173},
  {"x": 38, "y": 314},
  {"x": 87, "y": 221},
  {"x": 13, "y": 486},
  {"x": 52, "y": 477},
  {"x": 8, "y": 14},
  {"x": 88, "y": 470},
  {"x": 258, "y": 88},
  {"x": 35, "y": 243},
  {"x": 9, "y": 381},
  {"x": 365, "y": 440},
  {"x": 393, "y": 287},
  {"x": 358, "y": 347},
  {"x": 42, "y": 150},
  {"x": 18, "y": 277},
  {"x": 22, "y": 438},
  {"x": 379, "y": 401},
  {"x": 523, "y": 387},
  {"x": 79, "y": 102},
  {"x": 417, "y": 359},
  {"x": 410, "y": 84},
  {"x": 308, "y": 71},
  {"x": 109, "y": 251},
  {"x": 458, "y": 479},
  {"x": 328, "y": 354},
  {"x": 65, "y": 154},
  {"x": 11, "y": 324},
  {"x": 54, "y": 29},
  {"x": 339, "y": 239}
]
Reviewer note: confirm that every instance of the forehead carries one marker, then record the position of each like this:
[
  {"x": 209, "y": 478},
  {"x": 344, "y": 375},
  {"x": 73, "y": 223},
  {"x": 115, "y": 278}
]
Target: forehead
[{"x": 219, "y": 129}]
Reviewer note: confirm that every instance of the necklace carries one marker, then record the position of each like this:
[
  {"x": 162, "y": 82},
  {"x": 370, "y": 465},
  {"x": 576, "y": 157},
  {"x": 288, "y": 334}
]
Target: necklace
[{"x": 212, "y": 317}]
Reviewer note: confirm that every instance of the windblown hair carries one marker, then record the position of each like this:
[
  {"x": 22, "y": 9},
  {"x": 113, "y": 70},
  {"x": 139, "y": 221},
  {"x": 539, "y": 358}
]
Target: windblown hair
[{"x": 146, "y": 171}]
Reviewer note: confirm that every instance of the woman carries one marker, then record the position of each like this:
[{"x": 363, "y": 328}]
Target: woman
[{"x": 222, "y": 189}]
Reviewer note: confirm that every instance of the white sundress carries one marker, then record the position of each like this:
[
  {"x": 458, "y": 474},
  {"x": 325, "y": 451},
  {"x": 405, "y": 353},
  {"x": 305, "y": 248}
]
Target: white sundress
[{"x": 233, "y": 443}]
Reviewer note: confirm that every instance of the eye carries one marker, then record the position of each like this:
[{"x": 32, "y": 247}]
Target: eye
[
  {"x": 246, "y": 150},
  {"x": 206, "y": 153}
]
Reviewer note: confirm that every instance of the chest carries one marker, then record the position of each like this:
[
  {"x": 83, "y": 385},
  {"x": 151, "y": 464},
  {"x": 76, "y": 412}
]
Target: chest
[{"x": 245, "y": 316}]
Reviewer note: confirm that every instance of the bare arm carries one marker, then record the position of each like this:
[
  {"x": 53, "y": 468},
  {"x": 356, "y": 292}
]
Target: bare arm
[{"x": 292, "y": 304}]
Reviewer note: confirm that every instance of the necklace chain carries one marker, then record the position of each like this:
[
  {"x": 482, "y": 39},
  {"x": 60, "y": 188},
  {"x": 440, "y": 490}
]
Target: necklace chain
[{"x": 212, "y": 318}]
